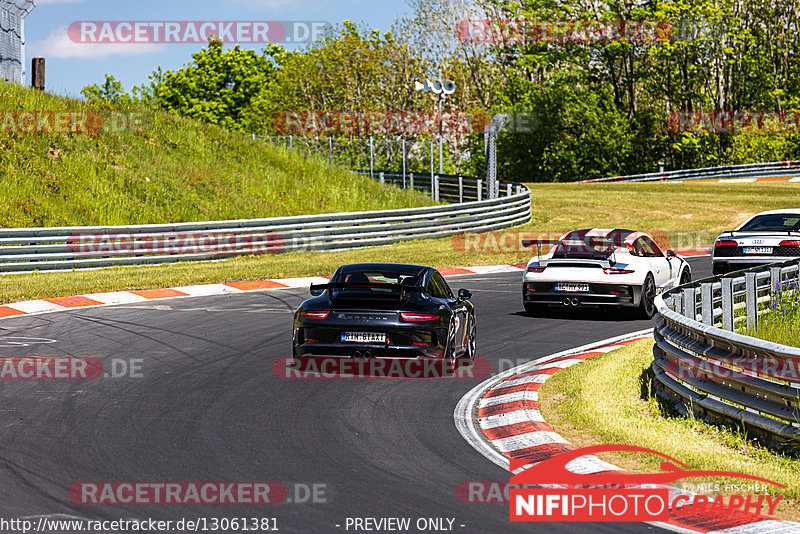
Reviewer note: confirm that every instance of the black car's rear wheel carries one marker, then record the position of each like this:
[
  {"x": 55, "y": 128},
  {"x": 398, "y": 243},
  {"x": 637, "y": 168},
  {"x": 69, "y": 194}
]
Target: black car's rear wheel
[
  {"x": 471, "y": 330},
  {"x": 450, "y": 358}
]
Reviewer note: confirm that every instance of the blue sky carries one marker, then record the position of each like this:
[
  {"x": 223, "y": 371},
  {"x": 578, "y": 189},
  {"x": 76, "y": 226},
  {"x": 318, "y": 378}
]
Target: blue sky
[{"x": 71, "y": 66}]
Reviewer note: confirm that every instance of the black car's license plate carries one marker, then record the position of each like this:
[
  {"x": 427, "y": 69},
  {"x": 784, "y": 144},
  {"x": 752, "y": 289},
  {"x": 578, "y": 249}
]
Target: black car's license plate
[{"x": 363, "y": 337}]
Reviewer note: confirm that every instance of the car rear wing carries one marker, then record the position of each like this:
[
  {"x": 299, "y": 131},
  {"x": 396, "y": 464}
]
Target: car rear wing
[
  {"x": 403, "y": 290},
  {"x": 605, "y": 262}
]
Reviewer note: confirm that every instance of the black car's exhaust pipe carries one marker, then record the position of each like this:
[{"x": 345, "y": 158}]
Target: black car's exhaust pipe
[
  {"x": 357, "y": 354},
  {"x": 566, "y": 302},
  {"x": 575, "y": 302},
  {"x": 367, "y": 354}
]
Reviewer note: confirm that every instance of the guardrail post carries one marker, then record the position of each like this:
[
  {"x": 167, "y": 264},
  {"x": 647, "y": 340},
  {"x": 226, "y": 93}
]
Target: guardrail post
[
  {"x": 381, "y": 178},
  {"x": 291, "y": 143},
  {"x": 706, "y": 304},
  {"x": 411, "y": 183},
  {"x": 435, "y": 188},
  {"x": 254, "y": 137},
  {"x": 751, "y": 300},
  {"x": 460, "y": 189},
  {"x": 727, "y": 303},
  {"x": 330, "y": 151},
  {"x": 689, "y": 303},
  {"x": 508, "y": 190},
  {"x": 480, "y": 189},
  {"x": 774, "y": 285}
]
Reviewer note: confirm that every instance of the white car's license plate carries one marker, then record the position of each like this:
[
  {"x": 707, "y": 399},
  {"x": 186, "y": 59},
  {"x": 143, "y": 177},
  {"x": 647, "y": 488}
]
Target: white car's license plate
[
  {"x": 363, "y": 337},
  {"x": 758, "y": 250},
  {"x": 573, "y": 288}
]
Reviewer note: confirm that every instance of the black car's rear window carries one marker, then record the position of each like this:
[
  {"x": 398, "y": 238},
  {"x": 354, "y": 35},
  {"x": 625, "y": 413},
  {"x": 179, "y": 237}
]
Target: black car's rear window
[
  {"x": 777, "y": 222},
  {"x": 394, "y": 275}
]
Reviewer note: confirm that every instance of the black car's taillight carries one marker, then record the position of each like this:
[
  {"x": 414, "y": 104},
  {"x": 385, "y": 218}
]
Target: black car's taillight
[
  {"x": 315, "y": 314},
  {"x": 417, "y": 317}
]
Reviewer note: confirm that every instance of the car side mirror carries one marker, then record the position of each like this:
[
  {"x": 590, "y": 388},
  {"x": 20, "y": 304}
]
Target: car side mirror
[
  {"x": 464, "y": 294},
  {"x": 316, "y": 290},
  {"x": 671, "y": 254}
]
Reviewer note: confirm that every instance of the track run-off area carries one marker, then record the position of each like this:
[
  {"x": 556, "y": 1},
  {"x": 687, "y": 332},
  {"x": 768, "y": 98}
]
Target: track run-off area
[{"x": 189, "y": 394}]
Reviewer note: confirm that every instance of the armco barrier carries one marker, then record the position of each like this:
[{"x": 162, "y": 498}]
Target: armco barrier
[
  {"x": 707, "y": 369},
  {"x": 67, "y": 248},
  {"x": 773, "y": 169}
]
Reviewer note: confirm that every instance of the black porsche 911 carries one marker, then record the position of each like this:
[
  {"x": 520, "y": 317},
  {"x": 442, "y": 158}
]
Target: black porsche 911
[{"x": 385, "y": 310}]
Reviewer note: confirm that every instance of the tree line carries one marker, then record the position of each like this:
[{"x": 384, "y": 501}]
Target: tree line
[{"x": 662, "y": 85}]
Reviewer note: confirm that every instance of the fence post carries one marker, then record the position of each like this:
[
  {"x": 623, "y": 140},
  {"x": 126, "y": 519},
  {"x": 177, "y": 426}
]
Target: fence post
[
  {"x": 254, "y": 137},
  {"x": 381, "y": 177},
  {"x": 291, "y": 144},
  {"x": 404, "y": 162},
  {"x": 436, "y": 188},
  {"x": 330, "y": 150},
  {"x": 706, "y": 304},
  {"x": 460, "y": 189},
  {"x": 431, "y": 163},
  {"x": 751, "y": 299},
  {"x": 371, "y": 157},
  {"x": 727, "y": 303},
  {"x": 411, "y": 184},
  {"x": 480, "y": 189}
]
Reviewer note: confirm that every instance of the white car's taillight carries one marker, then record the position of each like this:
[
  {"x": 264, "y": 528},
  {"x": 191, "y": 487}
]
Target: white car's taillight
[{"x": 611, "y": 270}]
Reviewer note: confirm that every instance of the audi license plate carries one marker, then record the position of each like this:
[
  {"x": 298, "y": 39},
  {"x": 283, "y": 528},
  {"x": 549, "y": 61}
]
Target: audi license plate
[
  {"x": 758, "y": 250},
  {"x": 573, "y": 288},
  {"x": 363, "y": 337}
]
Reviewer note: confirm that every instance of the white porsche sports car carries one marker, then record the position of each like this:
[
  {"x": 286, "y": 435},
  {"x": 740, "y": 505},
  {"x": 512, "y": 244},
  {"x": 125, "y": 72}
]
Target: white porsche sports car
[{"x": 601, "y": 267}]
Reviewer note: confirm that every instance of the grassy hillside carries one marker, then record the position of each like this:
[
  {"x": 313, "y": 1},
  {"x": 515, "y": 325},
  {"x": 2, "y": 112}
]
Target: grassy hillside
[{"x": 171, "y": 170}]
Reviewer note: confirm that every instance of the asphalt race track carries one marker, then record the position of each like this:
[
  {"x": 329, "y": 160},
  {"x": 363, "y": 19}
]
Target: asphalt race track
[{"x": 203, "y": 404}]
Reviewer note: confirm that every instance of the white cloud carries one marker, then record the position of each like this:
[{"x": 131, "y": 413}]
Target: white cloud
[{"x": 59, "y": 45}]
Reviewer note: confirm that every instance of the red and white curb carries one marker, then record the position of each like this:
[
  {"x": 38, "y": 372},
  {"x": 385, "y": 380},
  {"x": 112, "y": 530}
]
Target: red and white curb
[
  {"x": 32, "y": 307},
  {"x": 500, "y": 418}
]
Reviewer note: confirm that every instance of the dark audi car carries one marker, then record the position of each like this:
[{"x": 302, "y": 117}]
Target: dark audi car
[{"x": 385, "y": 310}]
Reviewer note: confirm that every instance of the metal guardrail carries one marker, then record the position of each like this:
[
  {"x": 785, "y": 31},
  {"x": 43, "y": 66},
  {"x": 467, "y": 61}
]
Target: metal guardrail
[
  {"x": 709, "y": 370},
  {"x": 772, "y": 169},
  {"x": 68, "y": 248}
]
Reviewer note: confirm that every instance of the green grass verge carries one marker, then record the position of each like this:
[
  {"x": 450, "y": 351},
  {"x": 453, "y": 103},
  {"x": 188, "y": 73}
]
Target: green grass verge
[
  {"x": 781, "y": 325},
  {"x": 600, "y": 401},
  {"x": 171, "y": 170}
]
